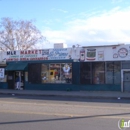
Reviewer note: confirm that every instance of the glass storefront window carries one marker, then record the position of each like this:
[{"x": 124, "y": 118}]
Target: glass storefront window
[
  {"x": 113, "y": 73},
  {"x": 92, "y": 73},
  {"x": 98, "y": 69},
  {"x": 100, "y": 72},
  {"x": 85, "y": 73},
  {"x": 56, "y": 73},
  {"x": 45, "y": 73},
  {"x": 109, "y": 73}
]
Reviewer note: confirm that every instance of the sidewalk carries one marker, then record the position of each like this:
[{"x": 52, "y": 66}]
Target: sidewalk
[{"x": 81, "y": 94}]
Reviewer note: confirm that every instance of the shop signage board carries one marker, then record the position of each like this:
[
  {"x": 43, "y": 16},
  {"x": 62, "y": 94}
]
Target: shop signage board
[
  {"x": 56, "y": 54},
  {"x": 92, "y": 54},
  {"x": 26, "y": 55},
  {"x": 64, "y": 53},
  {"x": 43, "y": 54},
  {"x": 108, "y": 53},
  {"x": 12, "y": 55},
  {"x": 117, "y": 53},
  {"x": 29, "y": 55},
  {"x": 87, "y": 54}
]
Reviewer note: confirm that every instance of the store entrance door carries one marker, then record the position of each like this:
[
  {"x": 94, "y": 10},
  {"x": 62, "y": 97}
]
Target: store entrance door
[
  {"x": 125, "y": 77},
  {"x": 20, "y": 74}
]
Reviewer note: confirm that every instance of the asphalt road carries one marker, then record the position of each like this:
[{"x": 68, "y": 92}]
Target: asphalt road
[{"x": 56, "y": 113}]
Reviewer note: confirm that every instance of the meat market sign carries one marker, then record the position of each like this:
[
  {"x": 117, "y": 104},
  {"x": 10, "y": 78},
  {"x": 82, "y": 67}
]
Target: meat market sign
[
  {"x": 32, "y": 55},
  {"x": 29, "y": 55},
  {"x": 25, "y": 55}
]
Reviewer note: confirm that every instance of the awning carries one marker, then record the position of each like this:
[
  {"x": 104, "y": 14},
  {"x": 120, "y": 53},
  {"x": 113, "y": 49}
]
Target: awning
[{"x": 16, "y": 66}]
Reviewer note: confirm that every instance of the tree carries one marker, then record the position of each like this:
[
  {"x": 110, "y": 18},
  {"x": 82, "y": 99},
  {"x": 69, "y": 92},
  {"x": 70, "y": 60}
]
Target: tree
[{"x": 18, "y": 35}]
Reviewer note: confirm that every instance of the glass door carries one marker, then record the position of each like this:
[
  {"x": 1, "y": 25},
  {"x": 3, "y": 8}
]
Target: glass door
[{"x": 125, "y": 80}]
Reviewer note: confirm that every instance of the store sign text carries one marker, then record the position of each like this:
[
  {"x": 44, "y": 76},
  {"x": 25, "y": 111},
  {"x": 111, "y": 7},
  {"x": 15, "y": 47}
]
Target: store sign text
[
  {"x": 31, "y": 52},
  {"x": 11, "y": 52},
  {"x": 58, "y": 54}
]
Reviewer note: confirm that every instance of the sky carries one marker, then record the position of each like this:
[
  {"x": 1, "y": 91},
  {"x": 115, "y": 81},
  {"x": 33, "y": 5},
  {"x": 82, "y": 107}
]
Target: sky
[{"x": 72, "y": 22}]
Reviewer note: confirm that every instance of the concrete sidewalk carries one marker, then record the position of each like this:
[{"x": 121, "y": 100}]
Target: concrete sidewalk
[{"x": 81, "y": 94}]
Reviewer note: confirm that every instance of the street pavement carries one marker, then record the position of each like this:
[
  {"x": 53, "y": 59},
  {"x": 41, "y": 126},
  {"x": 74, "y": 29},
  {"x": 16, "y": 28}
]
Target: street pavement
[{"x": 80, "y": 94}]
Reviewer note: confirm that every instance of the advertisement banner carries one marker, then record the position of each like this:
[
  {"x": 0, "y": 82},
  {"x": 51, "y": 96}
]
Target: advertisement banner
[{"x": 58, "y": 54}]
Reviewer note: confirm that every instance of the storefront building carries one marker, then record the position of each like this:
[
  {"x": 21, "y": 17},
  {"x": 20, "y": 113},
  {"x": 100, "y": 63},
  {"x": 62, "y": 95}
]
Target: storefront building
[{"x": 96, "y": 68}]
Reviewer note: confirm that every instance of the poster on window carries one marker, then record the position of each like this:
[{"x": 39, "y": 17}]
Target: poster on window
[
  {"x": 2, "y": 73},
  {"x": 100, "y": 55}
]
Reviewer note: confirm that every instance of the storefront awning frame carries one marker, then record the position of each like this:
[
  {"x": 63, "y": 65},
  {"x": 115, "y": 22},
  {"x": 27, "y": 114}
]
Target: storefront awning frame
[{"x": 16, "y": 66}]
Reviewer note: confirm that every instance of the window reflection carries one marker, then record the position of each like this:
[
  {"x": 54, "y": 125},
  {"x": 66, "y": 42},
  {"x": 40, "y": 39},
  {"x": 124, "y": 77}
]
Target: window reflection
[
  {"x": 98, "y": 73},
  {"x": 85, "y": 73},
  {"x": 45, "y": 73},
  {"x": 92, "y": 73},
  {"x": 113, "y": 73}
]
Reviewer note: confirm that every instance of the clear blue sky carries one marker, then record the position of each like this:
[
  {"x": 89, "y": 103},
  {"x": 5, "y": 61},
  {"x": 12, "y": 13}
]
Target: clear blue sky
[{"x": 74, "y": 21}]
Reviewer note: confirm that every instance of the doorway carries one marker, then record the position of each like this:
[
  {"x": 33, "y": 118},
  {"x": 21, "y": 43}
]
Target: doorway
[
  {"x": 125, "y": 80},
  {"x": 12, "y": 75},
  {"x": 20, "y": 74}
]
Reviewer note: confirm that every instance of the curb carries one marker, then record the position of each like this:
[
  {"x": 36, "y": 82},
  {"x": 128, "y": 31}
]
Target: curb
[{"x": 69, "y": 96}]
